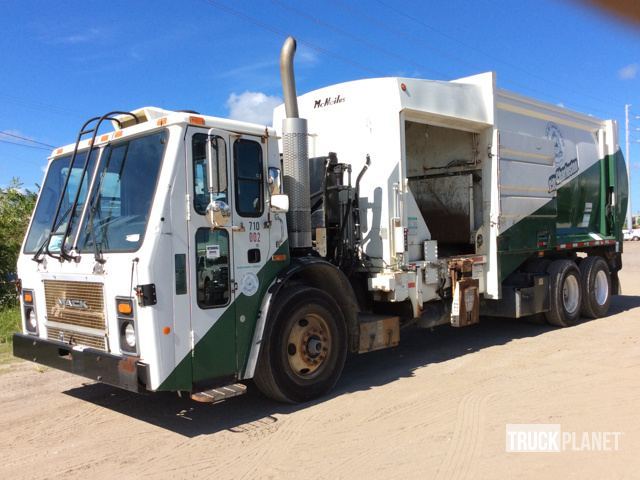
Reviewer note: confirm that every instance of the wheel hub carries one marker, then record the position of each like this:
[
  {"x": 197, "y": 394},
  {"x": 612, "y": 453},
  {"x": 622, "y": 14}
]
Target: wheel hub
[
  {"x": 571, "y": 294},
  {"x": 308, "y": 346},
  {"x": 601, "y": 288}
]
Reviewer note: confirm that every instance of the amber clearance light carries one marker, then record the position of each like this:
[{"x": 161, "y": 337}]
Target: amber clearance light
[{"x": 125, "y": 307}]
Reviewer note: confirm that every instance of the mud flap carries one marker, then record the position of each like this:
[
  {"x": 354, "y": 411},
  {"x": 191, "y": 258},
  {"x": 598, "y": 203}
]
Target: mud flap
[{"x": 465, "y": 307}]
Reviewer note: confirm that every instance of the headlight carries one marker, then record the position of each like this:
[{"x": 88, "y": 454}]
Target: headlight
[
  {"x": 32, "y": 321},
  {"x": 130, "y": 335}
]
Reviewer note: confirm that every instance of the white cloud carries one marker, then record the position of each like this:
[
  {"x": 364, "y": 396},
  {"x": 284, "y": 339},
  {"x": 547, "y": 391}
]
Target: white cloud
[
  {"x": 245, "y": 70},
  {"x": 629, "y": 72},
  {"x": 84, "y": 36},
  {"x": 305, "y": 55},
  {"x": 253, "y": 107}
]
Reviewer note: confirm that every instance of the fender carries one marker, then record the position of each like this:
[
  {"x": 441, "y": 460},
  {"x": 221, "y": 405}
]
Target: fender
[{"x": 315, "y": 272}]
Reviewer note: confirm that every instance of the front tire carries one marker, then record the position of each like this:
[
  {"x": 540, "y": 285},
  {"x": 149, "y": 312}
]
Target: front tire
[
  {"x": 565, "y": 294},
  {"x": 596, "y": 287},
  {"x": 304, "y": 346}
]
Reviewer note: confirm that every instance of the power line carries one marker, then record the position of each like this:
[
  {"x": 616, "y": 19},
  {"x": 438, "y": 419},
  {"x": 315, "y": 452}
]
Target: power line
[
  {"x": 409, "y": 36},
  {"x": 279, "y": 33},
  {"x": 24, "y": 145},
  {"x": 519, "y": 85},
  {"x": 40, "y": 106},
  {"x": 482, "y": 52},
  {"x": 27, "y": 139},
  {"x": 345, "y": 33}
]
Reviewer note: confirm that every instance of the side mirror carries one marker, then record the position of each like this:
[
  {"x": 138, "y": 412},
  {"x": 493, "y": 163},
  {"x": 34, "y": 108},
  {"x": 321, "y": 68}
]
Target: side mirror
[
  {"x": 275, "y": 181},
  {"x": 216, "y": 164},
  {"x": 279, "y": 203},
  {"x": 218, "y": 213}
]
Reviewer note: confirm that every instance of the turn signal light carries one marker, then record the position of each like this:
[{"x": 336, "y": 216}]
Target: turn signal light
[
  {"x": 27, "y": 297},
  {"x": 125, "y": 308}
]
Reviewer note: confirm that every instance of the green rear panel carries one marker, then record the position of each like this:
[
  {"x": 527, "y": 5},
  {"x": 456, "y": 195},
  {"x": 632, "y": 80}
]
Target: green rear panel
[{"x": 569, "y": 217}]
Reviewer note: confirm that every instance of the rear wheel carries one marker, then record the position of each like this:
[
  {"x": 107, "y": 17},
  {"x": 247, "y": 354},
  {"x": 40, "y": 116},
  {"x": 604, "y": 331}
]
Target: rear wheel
[
  {"x": 304, "y": 347},
  {"x": 596, "y": 287},
  {"x": 565, "y": 293}
]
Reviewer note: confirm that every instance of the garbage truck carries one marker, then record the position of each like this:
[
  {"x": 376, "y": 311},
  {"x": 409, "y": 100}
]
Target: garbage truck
[{"x": 175, "y": 251}]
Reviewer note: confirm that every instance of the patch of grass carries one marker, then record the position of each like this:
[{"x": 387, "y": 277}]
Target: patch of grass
[
  {"x": 9, "y": 324},
  {"x": 6, "y": 354}
]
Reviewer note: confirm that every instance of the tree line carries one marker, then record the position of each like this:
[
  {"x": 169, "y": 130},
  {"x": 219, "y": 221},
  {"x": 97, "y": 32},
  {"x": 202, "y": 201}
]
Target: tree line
[{"x": 16, "y": 205}]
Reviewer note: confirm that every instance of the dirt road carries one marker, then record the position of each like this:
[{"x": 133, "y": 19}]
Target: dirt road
[{"x": 436, "y": 407}]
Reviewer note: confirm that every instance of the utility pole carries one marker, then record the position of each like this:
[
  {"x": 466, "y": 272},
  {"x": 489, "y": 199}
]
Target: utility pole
[{"x": 626, "y": 128}]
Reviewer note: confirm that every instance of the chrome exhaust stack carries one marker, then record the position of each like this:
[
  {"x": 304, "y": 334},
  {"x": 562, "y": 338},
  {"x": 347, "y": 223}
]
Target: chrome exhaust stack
[{"x": 295, "y": 157}]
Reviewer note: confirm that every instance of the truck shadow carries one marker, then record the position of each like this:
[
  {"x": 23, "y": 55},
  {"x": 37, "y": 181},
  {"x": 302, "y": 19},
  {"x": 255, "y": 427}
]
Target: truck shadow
[{"x": 253, "y": 412}]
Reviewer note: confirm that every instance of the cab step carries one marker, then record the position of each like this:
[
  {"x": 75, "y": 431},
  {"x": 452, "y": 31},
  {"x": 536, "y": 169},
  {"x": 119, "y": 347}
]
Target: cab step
[{"x": 219, "y": 394}]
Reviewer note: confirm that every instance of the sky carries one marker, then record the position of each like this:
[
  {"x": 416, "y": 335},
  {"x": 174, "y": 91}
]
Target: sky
[{"x": 64, "y": 62}]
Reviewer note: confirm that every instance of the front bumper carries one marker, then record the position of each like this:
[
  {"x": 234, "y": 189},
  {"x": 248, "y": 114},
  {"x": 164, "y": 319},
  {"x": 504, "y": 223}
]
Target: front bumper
[{"x": 120, "y": 371}]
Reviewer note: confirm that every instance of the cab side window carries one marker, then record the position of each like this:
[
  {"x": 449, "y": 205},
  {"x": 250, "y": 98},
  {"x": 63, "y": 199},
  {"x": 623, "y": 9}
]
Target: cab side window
[
  {"x": 247, "y": 156},
  {"x": 212, "y": 267}
]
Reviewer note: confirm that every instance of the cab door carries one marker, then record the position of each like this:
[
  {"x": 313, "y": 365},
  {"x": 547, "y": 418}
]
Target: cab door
[
  {"x": 211, "y": 259},
  {"x": 251, "y": 240}
]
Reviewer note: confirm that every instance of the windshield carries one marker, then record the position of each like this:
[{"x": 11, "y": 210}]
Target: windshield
[
  {"x": 119, "y": 207},
  {"x": 49, "y": 197}
]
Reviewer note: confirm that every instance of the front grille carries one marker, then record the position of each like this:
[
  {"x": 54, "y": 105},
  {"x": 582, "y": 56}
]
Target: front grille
[
  {"x": 76, "y": 338},
  {"x": 75, "y": 303}
]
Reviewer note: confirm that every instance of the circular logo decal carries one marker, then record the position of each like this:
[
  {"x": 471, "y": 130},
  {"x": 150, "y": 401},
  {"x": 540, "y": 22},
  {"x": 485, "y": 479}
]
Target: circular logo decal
[
  {"x": 250, "y": 283},
  {"x": 554, "y": 134}
]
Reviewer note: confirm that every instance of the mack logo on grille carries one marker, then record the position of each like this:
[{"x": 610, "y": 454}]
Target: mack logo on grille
[{"x": 73, "y": 303}]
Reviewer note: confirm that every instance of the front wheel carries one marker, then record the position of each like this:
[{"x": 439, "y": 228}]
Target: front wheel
[
  {"x": 304, "y": 346},
  {"x": 565, "y": 293}
]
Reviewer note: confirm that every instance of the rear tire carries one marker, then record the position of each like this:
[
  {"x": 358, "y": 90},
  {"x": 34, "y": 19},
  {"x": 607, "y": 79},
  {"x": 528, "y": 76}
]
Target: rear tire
[
  {"x": 565, "y": 294},
  {"x": 304, "y": 346},
  {"x": 596, "y": 287}
]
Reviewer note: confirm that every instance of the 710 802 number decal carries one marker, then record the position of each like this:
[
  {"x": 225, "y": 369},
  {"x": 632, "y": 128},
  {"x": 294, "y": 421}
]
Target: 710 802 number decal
[{"x": 254, "y": 231}]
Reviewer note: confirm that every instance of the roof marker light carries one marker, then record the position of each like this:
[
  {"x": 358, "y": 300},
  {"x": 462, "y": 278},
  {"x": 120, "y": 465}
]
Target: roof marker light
[{"x": 196, "y": 120}]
